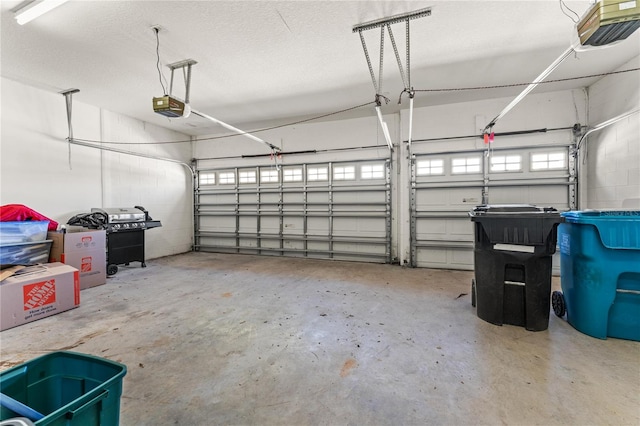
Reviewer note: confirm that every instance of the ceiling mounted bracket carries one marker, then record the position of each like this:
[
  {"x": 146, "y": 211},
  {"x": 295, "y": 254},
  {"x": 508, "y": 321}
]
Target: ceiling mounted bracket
[
  {"x": 406, "y": 78},
  {"x": 185, "y": 66},
  {"x": 68, "y": 94}
]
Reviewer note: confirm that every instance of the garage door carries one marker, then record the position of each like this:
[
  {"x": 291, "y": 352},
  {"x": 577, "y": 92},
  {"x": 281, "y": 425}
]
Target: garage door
[
  {"x": 447, "y": 185},
  {"x": 331, "y": 210}
]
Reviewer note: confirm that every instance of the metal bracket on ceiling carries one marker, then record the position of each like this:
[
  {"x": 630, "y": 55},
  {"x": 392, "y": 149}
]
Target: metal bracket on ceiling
[
  {"x": 185, "y": 66},
  {"x": 406, "y": 78},
  {"x": 69, "y": 102}
]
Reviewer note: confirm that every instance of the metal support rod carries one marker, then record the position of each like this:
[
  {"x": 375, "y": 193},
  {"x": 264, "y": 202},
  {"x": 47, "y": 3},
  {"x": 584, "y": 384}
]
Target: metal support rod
[
  {"x": 408, "y": 52},
  {"x": 187, "y": 84},
  {"x": 385, "y": 129},
  {"x": 366, "y": 55},
  {"x": 529, "y": 88},
  {"x": 410, "y": 117},
  {"x": 395, "y": 51},
  {"x": 381, "y": 65},
  {"x": 235, "y": 129}
]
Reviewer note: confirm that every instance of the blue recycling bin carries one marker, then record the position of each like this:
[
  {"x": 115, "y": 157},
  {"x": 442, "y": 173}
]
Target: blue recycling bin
[{"x": 600, "y": 273}]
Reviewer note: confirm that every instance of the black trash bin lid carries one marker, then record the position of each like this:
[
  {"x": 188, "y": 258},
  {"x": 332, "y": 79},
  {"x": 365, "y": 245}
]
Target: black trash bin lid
[{"x": 488, "y": 209}]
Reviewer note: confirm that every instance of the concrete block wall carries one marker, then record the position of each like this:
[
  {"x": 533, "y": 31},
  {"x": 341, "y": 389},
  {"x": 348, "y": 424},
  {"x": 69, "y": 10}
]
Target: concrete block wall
[{"x": 613, "y": 154}]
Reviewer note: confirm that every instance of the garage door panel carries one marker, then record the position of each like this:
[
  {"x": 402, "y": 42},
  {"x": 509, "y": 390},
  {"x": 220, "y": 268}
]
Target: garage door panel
[
  {"x": 359, "y": 226},
  {"x": 269, "y": 224},
  {"x": 222, "y": 223},
  {"x": 248, "y": 224},
  {"x": 318, "y": 197},
  {"x": 293, "y": 226},
  {"x": 432, "y": 197},
  {"x": 301, "y": 209},
  {"x": 522, "y": 175},
  {"x": 292, "y": 198},
  {"x": 318, "y": 226},
  {"x": 543, "y": 195}
]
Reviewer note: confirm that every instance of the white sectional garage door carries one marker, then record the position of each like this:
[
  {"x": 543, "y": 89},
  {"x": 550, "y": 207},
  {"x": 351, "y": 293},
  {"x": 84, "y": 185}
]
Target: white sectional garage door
[
  {"x": 445, "y": 186},
  {"x": 331, "y": 210}
]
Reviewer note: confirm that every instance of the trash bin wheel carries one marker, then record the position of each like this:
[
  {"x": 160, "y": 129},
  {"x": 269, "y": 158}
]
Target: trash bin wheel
[
  {"x": 557, "y": 302},
  {"x": 112, "y": 269},
  {"x": 473, "y": 293}
]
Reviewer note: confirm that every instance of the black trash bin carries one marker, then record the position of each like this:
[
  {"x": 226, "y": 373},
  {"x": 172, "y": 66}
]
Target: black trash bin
[{"x": 513, "y": 248}]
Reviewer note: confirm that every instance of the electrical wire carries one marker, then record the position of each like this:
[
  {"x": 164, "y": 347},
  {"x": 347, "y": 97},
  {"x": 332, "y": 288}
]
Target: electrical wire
[
  {"x": 160, "y": 76},
  {"x": 500, "y": 86},
  {"x": 234, "y": 134},
  {"x": 349, "y": 109},
  {"x": 563, "y": 6}
]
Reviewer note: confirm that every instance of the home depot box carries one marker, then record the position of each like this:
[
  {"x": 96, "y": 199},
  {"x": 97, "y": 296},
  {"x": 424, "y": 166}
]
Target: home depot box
[
  {"x": 38, "y": 292},
  {"x": 83, "y": 249}
]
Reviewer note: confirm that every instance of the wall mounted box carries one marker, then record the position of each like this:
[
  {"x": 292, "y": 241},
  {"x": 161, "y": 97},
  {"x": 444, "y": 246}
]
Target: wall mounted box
[
  {"x": 38, "y": 292},
  {"x": 85, "y": 251}
]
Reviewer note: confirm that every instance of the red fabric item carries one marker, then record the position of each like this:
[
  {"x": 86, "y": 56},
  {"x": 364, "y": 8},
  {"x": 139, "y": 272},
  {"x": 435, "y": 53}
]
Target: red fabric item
[{"x": 19, "y": 213}]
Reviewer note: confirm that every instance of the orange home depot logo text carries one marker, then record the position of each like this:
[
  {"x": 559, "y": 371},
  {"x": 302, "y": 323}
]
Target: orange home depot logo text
[
  {"x": 39, "y": 294},
  {"x": 85, "y": 265}
]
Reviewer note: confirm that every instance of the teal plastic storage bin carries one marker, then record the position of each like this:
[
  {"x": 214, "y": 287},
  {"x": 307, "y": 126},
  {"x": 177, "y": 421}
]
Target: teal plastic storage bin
[
  {"x": 600, "y": 273},
  {"x": 68, "y": 388}
]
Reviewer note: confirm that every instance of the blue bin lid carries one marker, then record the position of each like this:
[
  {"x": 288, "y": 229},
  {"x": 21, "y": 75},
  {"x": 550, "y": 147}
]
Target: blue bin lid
[
  {"x": 589, "y": 216},
  {"x": 618, "y": 229}
]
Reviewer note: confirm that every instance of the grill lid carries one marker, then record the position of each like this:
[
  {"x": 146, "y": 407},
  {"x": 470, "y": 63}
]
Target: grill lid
[{"x": 121, "y": 215}]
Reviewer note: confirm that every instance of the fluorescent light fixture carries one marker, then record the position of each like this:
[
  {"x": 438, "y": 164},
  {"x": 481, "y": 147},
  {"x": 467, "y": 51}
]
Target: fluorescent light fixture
[{"x": 36, "y": 9}]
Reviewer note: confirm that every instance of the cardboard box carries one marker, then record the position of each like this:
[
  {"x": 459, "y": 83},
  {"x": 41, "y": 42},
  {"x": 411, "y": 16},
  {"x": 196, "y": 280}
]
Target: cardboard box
[
  {"x": 38, "y": 292},
  {"x": 83, "y": 249}
]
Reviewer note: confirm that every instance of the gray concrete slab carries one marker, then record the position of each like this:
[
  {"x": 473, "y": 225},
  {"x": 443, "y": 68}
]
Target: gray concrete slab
[{"x": 240, "y": 339}]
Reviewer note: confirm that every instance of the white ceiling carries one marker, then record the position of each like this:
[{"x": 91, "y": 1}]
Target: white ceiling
[{"x": 262, "y": 62}]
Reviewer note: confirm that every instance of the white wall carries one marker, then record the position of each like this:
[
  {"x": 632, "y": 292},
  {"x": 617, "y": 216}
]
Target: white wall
[
  {"x": 36, "y": 169},
  {"x": 613, "y": 154}
]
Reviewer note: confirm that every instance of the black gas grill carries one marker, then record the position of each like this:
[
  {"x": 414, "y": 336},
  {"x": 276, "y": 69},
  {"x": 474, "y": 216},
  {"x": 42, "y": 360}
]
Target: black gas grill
[{"x": 125, "y": 233}]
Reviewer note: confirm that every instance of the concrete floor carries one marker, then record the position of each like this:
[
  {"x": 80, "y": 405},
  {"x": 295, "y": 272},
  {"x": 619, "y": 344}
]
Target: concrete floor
[{"x": 214, "y": 339}]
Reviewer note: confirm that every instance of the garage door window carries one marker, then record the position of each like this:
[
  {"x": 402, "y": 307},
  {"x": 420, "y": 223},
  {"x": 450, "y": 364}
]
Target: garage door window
[
  {"x": 292, "y": 175},
  {"x": 207, "y": 178},
  {"x": 372, "y": 171},
  {"x": 247, "y": 177},
  {"x": 268, "y": 176},
  {"x": 549, "y": 161},
  {"x": 465, "y": 165},
  {"x": 506, "y": 163},
  {"x": 430, "y": 167},
  {"x": 344, "y": 173},
  {"x": 317, "y": 173},
  {"x": 227, "y": 178}
]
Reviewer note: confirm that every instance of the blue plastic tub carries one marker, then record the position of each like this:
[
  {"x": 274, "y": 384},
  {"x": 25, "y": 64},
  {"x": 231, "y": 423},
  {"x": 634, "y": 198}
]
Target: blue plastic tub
[{"x": 600, "y": 272}]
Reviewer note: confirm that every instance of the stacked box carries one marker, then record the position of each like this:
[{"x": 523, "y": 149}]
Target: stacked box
[
  {"x": 83, "y": 249},
  {"x": 38, "y": 292}
]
